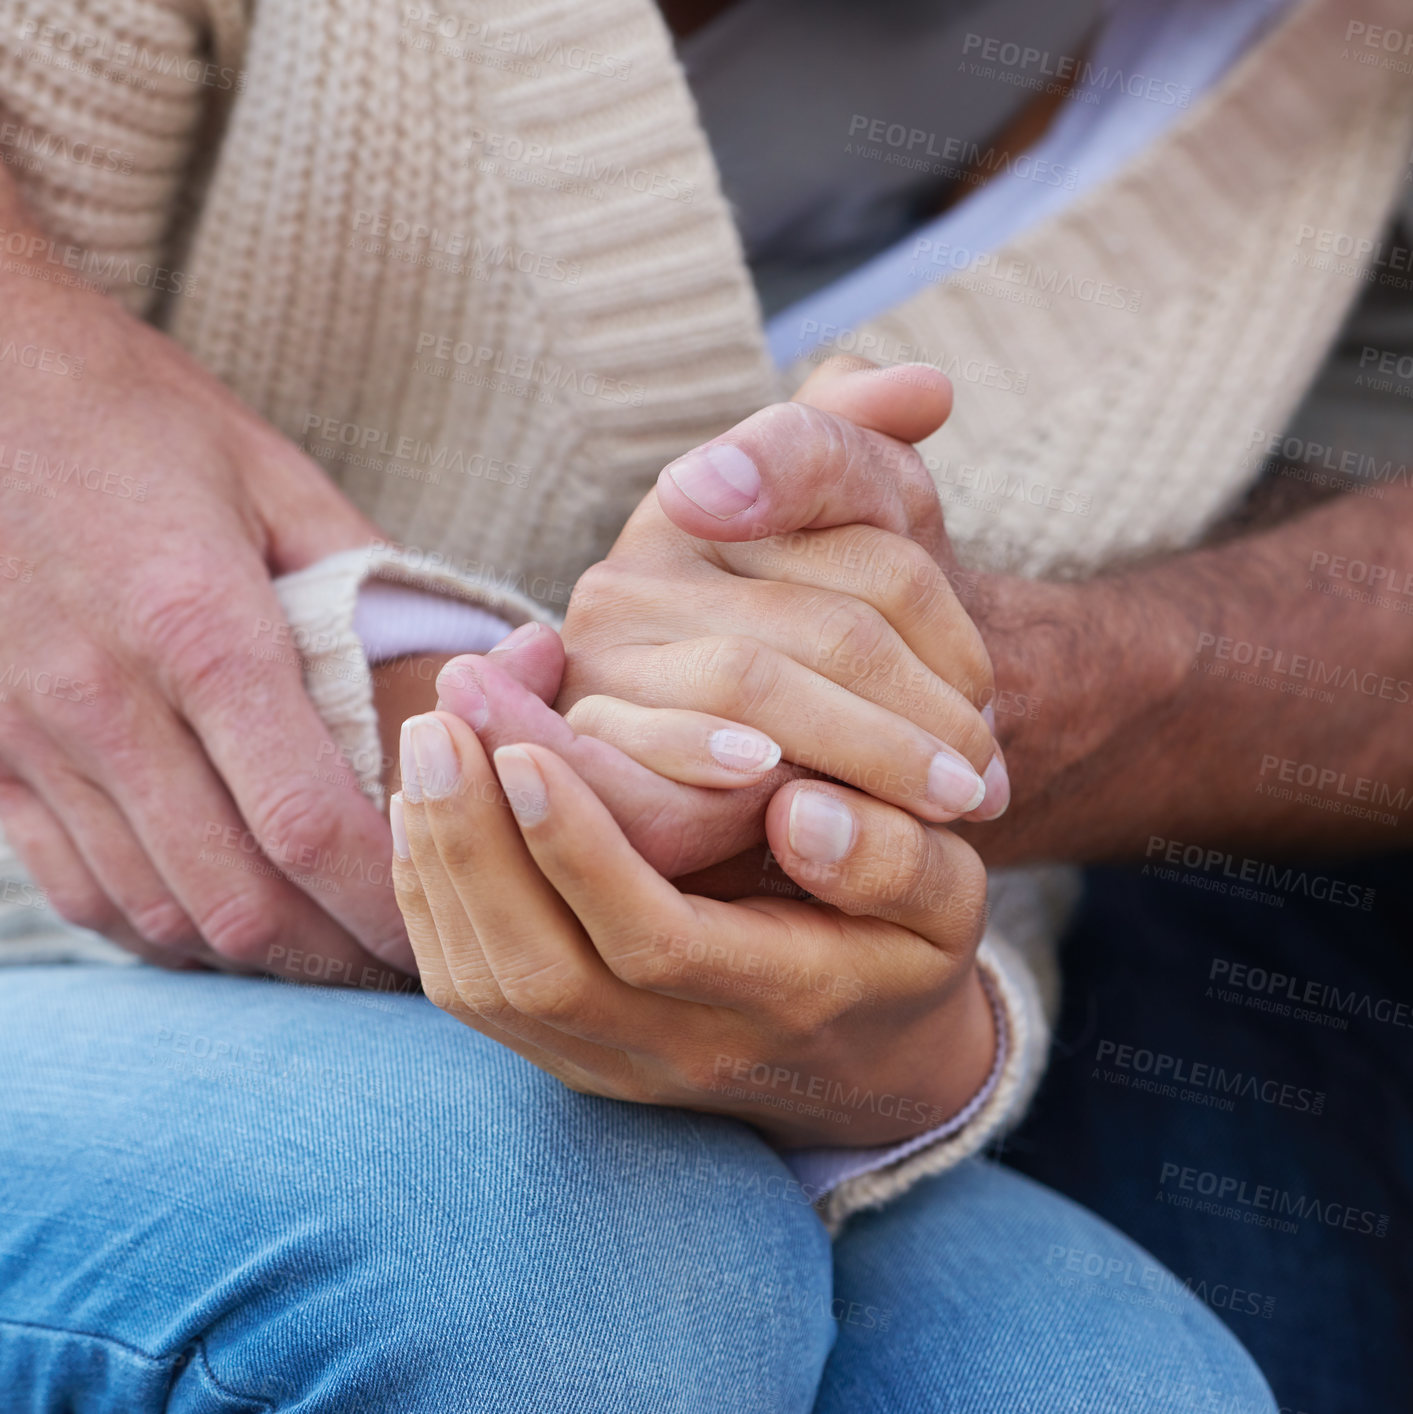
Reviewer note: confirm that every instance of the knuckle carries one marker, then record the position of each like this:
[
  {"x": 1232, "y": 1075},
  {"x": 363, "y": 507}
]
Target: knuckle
[
  {"x": 648, "y": 967},
  {"x": 298, "y": 827},
  {"x": 600, "y": 595},
  {"x": 552, "y": 994},
  {"x": 851, "y": 637},
  {"x": 243, "y": 928},
  {"x": 589, "y": 715},
  {"x": 81, "y": 904},
  {"x": 483, "y": 998},
  {"x": 451, "y": 839},
  {"x": 699, "y": 1074},
  {"x": 966, "y": 882},
  {"x": 163, "y": 923},
  {"x": 973, "y": 738},
  {"x": 177, "y": 618},
  {"x": 911, "y": 585},
  {"x": 731, "y": 673}
]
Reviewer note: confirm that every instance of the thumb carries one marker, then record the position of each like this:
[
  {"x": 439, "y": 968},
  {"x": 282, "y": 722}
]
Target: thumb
[{"x": 908, "y": 401}]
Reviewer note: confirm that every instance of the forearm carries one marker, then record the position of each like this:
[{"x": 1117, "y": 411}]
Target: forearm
[{"x": 1225, "y": 697}]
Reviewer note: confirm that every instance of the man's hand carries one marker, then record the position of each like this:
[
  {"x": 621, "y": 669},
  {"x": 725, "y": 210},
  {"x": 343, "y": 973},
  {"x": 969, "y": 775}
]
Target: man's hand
[
  {"x": 548, "y": 933},
  {"x": 813, "y": 615},
  {"x": 163, "y": 773}
]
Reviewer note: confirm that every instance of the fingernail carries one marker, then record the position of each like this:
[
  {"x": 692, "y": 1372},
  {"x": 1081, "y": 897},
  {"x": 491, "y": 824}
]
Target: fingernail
[
  {"x": 998, "y": 789},
  {"x": 523, "y": 634},
  {"x": 401, "y": 848},
  {"x": 952, "y": 785},
  {"x": 741, "y": 750},
  {"x": 523, "y": 785},
  {"x": 821, "y": 827},
  {"x": 407, "y": 764},
  {"x": 436, "y": 769},
  {"x": 721, "y": 479},
  {"x": 459, "y": 692},
  {"x": 988, "y": 715}
]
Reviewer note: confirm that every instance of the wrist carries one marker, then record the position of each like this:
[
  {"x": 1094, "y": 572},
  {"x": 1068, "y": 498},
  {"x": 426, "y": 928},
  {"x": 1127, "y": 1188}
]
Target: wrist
[{"x": 1080, "y": 669}]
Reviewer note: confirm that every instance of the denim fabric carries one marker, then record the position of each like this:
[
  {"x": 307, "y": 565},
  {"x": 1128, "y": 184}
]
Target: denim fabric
[
  {"x": 1315, "y": 1273},
  {"x": 222, "y": 1196}
]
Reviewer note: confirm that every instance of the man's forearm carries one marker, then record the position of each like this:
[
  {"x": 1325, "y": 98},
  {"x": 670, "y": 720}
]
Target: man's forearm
[{"x": 1256, "y": 695}]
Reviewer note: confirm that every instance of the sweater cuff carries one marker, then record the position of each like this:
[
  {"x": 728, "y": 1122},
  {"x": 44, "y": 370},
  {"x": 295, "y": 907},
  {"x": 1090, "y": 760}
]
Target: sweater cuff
[
  {"x": 320, "y": 605},
  {"x": 1022, "y": 1022}
]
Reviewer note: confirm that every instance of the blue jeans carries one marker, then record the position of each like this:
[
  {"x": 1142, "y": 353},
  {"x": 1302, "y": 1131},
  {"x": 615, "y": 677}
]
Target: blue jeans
[
  {"x": 222, "y": 1196},
  {"x": 1291, "y": 1214}
]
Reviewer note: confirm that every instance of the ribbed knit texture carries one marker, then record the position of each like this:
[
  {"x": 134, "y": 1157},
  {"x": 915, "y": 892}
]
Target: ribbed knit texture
[{"x": 608, "y": 319}]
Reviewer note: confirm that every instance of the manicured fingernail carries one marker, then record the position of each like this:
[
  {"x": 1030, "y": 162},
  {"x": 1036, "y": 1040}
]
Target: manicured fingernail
[
  {"x": 459, "y": 691},
  {"x": 998, "y": 789},
  {"x": 437, "y": 771},
  {"x": 523, "y": 634},
  {"x": 741, "y": 750},
  {"x": 523, "y": 785},
  {"x": 407, "y": 764},
  {"x": 721, "y": 479},
  {"x": 401, "y": 848},
  {"x": 952, "y": 785},
  {"x": 821, "y": 827}
]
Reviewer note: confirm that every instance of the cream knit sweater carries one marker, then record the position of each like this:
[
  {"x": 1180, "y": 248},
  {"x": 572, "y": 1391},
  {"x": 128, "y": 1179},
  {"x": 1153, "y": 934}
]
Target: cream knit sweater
[{"x": 487, "y": 276}]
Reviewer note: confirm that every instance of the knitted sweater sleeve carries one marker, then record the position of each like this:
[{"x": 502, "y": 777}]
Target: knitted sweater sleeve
[
  {"x": 320, "y": 603},
  {"x": 102, "y": 111}
]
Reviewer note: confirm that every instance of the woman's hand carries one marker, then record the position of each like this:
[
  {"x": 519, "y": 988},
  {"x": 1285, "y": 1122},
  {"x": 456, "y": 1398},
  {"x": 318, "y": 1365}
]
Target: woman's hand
[
  {"x": 860, "y": 1019},
  {"x": 802, "y": 557},
  {"x": 857, "y": 618}
]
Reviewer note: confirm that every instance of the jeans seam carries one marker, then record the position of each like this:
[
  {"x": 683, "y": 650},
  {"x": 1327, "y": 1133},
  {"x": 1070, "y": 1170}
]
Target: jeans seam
[
  {"x": 258, "y": 1400},
  {"x": 89, "y": 1335}
]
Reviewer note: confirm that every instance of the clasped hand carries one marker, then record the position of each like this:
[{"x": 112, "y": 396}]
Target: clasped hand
[{"x": 783, "y": 593}]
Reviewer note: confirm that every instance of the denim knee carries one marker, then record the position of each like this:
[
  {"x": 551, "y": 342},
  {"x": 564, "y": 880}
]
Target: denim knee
[
  {"x": 980, "y": 1290},
  {"x": 312, "y": 1201}
]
